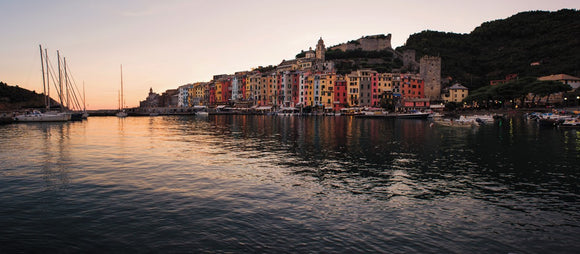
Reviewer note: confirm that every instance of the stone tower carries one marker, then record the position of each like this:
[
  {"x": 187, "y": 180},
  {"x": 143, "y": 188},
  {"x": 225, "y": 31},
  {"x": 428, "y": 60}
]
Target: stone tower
[
  {"x": 320, "y": 50},
  {"x": 430, "y": 70},
  {"x": 409, "y": 62}
]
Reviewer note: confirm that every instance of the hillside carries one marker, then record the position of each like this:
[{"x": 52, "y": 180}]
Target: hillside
[
  {"x": 350, "y": 60},
  {"x": 535, "y": 43},
  {"x": 369, "y": 52},
  {"x": 14, "y": 98}
]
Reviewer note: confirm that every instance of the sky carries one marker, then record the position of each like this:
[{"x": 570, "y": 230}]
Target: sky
[{"x": 168, "y": 43}]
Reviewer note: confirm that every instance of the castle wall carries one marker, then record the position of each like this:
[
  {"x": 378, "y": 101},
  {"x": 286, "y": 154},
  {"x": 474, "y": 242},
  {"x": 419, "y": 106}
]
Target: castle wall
[{"x": 369, "y": 43}]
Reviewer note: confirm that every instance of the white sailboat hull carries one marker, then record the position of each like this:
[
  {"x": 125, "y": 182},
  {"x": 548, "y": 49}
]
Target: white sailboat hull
[
  {"x": 43, "y": 117},
  {"x": 121, "y": 114}
]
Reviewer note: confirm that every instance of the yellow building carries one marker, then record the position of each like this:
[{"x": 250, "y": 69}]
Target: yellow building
[
  {"x": 199, "y": 89},
  {"x": 455, "y": 93},
  {"x": 271, "y": 88},
  {"x": 327, "y": 82},
  {"x": 309, "y": 89},
  {"x": 218, "y": 91},
  {"x": 263, "y": 89},
  {"x": 387, "y": 81},
  {"x": 252, "y": 86}
]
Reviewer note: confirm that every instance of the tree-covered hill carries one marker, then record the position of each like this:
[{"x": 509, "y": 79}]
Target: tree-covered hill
[
  {"x": 534, "y": 43},
  {"x": 14, "y": 98}
]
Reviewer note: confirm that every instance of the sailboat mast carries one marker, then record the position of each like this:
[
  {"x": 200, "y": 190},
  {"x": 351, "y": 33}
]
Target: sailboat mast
[
  {"x": 66, "y": 85},
  {"x": 60, "y": 82},
  {"x": 121, "y": 99},
  {"x": 47, "y": 79},
  {"x": 46, "y": 98},
  {"x": 84, "y": 98}
]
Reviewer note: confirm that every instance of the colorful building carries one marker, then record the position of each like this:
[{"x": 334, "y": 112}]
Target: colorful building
[
  {"x": 340, "y": 94},
  {"x": 455, "y": 93},
  {"x": 328, "y": 80},
  {"x": 412, "y": 87}
]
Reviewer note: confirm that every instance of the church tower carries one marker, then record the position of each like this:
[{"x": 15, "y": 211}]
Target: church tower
[{"x": 320, "y": 50}]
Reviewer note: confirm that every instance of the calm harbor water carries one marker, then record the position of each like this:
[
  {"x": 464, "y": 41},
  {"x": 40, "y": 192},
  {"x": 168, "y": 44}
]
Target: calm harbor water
[{"x": 287, "y": 185}]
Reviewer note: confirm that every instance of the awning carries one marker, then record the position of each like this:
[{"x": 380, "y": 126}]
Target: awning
[{"x": 264, "y": 108}]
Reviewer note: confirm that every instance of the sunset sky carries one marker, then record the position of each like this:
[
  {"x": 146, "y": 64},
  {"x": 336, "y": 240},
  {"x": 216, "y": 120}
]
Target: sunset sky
[{"x": 165, "y": 44}]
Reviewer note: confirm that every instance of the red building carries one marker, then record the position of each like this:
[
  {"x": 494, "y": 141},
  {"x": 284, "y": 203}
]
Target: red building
[
  {"x": 226, "y": 85},
  {"x": 508, "y": 78},
  {"x": 412, "y": 87},
  {"x": 211, "y": 94},
  {"x": 412, "y": 90},
  {"x": 243, "y": 88},
  {"x": 339, "y": 95}
]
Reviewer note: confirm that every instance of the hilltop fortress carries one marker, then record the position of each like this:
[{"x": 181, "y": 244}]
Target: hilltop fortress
[{"x": 367, "y": 43}]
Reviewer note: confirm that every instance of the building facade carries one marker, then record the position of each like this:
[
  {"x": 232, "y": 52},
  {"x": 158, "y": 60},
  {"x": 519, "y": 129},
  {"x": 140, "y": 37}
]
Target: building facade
[{"x": 455, "y": 93}]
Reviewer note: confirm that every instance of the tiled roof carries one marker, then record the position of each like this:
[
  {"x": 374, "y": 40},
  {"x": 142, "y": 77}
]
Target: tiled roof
[
  {"x": 559, "y": 77},
  {"x": 458, "y": 87}
]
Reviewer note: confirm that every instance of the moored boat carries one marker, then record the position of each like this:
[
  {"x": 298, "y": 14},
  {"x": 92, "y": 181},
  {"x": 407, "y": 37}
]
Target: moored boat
[
  {"x": 37, "y": 116},
  {"x": 455, "y": 123},
  {"x": 413, "y": 115},
  {"x": 573, "y": 122}
]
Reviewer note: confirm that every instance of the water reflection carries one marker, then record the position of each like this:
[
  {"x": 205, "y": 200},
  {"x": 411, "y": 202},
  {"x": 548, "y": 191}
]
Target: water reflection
[
  {"x": 231, "y": 183},
  {"x": 386, "y": 158}
]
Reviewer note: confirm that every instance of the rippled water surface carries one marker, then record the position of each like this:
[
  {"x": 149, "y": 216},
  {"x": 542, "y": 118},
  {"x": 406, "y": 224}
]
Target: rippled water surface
[{"x": 288, "y": 184}]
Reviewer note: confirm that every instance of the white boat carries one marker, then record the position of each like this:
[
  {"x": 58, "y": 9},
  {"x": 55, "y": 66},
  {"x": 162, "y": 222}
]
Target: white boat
[
  {"x": 481, "y": 119},
  {"x": 461, "y": 122},
  {"x": 122, "y": 112},
  {"x": 374, "y": 112},
  {"x": 37, "y": 116},
  {"x": 201, "y": 110},
  {"x": 572, "y": 122}
]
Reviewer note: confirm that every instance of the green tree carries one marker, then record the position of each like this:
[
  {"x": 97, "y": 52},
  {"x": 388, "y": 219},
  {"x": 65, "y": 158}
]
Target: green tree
[{"x": 547, "y": 88}]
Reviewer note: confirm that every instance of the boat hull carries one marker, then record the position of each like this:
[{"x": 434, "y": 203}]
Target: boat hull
[
  {"x": 413, "y": 116},
  {"x": 61, "y": 117}
]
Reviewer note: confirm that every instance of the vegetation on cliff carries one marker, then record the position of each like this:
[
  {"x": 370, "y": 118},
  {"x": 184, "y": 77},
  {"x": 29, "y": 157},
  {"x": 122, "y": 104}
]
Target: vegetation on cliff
[
  {"x": 14, "y": 97},
  {"x": 535, "y": 43}
]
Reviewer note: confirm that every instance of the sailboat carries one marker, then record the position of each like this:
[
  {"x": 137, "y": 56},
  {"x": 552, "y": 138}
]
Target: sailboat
[
  {"x": 36, "y": 115},
  {"x": 85, "y": 113},
  {"x": 121, "y": 112}
]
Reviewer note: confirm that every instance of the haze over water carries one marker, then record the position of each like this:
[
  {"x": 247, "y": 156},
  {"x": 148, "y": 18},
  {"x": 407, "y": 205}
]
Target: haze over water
[{"x": 287, "y": 184}]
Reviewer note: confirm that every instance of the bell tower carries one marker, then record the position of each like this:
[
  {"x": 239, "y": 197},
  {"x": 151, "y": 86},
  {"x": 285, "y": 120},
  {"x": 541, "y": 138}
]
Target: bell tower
[{"x": 320, "y": 50}]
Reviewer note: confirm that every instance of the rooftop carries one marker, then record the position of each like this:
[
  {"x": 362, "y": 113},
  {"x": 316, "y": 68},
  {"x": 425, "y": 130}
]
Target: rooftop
[{"x": 557, "y": 77}]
